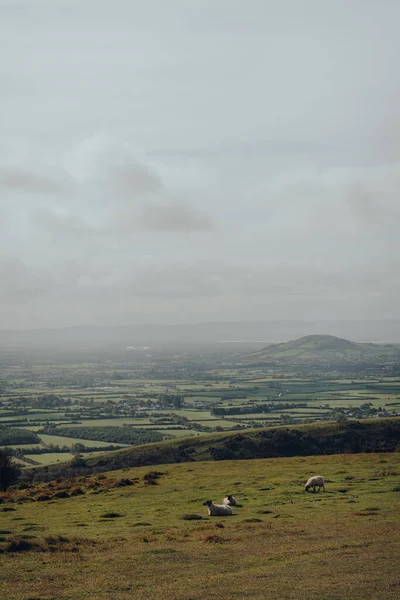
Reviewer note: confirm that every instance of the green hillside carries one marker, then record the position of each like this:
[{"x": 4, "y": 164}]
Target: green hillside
[
  {"x": 144, "y": 533},
  {"x": 326, "y": 348},
  {"x": 374, "y": 435}
]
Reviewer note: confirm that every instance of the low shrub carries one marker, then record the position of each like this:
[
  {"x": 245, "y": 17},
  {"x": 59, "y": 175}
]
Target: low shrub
[
  {"x": 123, "y": 483},
  {"x": 76, "y": 492},
  {"x": 18, "y": 545},
  {"x": 214, "y": 539},
  {"x": 61, "y": 494}
]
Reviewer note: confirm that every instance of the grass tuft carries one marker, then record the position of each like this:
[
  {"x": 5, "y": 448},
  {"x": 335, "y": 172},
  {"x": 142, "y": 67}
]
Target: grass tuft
[{"x": 214, "y": 539}]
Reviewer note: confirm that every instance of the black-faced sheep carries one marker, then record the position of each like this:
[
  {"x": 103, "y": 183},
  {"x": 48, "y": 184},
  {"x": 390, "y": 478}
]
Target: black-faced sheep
[
  {"x": 217, "y": 510},
  {"x": 230, "y": 501},
  {"x": 315, "y": 482}
]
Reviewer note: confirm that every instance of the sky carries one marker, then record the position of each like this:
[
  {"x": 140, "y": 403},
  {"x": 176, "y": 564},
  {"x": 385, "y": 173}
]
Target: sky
[{"x": 212, "y": 160}]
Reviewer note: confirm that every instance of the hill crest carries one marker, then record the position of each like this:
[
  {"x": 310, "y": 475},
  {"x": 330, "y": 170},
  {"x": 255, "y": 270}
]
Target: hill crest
[
  {"x": 325, "y": 348},
  {"x": 318, "y": 342}
]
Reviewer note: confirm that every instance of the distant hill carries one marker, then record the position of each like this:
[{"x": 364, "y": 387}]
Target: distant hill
[{"x": 326, "y": 348}]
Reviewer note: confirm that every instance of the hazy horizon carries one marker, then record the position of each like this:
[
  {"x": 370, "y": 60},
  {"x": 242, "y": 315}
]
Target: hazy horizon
[
  {"x": 178, "y": 163},
  {"x": 200, "y": 334},
  {"x": 248, "y": 322}
]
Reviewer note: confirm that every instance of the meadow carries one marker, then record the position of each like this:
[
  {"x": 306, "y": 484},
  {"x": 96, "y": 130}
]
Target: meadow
[
  {"x": 144, "y": 532},
  {"x": 179, "y": 394}
]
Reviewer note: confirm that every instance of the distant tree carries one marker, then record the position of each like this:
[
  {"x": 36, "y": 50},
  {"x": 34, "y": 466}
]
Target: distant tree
[
  {"x": 9, "y": 471},
  {"x": 78, "y": 461},
  {"x": 341, "y": 418},
  {"x": 78, "y": 448}
]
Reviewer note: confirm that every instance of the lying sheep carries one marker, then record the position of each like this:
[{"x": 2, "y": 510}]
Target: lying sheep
[
  {"x": 315, "y": 482},
  {"x": 230, "y": 501},
  {"x": 217, "y": 510}
]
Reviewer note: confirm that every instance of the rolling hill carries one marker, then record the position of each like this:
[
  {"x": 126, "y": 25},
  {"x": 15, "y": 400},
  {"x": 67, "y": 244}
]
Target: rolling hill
[
  {"x": 326, "y": 348},
  {"x": 370, "y": 435}
]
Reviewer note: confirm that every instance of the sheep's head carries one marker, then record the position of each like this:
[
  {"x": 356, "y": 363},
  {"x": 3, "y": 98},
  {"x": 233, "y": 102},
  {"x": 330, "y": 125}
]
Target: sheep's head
[
  {"x": 307, "y": 488},
  {"x": 207, "y": 503},
  {"x": 229, "y": 498}
]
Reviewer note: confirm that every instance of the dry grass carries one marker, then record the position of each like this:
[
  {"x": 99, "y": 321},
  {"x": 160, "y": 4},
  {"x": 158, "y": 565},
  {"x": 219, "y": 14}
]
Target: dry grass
[{"x": 277, "y": 545}]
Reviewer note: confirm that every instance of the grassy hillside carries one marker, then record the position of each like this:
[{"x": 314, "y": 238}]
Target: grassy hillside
[
  {"x": 326, "y": 348},
  {"x": 114, "y": 540},
  {"x": 317, "y": 438}
]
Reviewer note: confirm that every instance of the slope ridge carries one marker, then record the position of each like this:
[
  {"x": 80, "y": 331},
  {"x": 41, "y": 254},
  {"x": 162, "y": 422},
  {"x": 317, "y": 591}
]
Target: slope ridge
[{"x": 326, "y": 348}]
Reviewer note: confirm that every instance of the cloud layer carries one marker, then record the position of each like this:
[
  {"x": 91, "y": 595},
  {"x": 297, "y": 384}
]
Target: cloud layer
[{"x": 239, "y": 162}]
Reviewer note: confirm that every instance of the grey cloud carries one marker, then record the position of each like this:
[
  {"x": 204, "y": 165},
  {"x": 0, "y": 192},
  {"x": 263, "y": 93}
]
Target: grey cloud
[
  {"x": 376, "y": 204},
  {"x": 18, "y": 179},
  {"x": 248, "y": 147},
  {"x": 141, "y": 184},
  {"x": 175, "y": 217},
  {"x": 94, "y": 291},
  {"x": 120, "y": 196},
  {"x": 63, "y": 224},
  {"x": 136, "y": 179},
  {"x": 151, "y": 216},
  {"x": 21, "y": 283}
]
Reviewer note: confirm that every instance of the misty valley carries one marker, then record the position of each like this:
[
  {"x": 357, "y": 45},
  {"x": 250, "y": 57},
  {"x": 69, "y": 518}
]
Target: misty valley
[{"x": 101, "y": 399}]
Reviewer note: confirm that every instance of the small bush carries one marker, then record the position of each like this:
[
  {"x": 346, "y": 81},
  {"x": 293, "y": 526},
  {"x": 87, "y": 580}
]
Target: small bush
[
  {"x": 78, "y": 462},
  {"x": 214, "y": 539},
  {"x": 61, "y": 494},
  {"x": 141, "y": 524},
  {"x": 110, "y": 515},
  {"x": 192, "y": 517},
  {"x": 18, "y": 545},
  {"x": 76, "y": 492},
  {"x": 151, "y": 477},
  {"x": 7, "y": 509},
  {"x": 123, "y": 483},
  {"x": 53, "y": 540},
  {"x": 22, "y": 486},
  {"x": 42, "y": 497},
  {"x": 366, "y": 513}
]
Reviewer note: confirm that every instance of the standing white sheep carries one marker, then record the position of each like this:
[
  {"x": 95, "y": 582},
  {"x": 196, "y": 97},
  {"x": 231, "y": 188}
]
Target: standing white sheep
[
  {"x": 315, "y": 482},
  {"x": 217, "y": 510},
  {"x": 230, "y": 501}
]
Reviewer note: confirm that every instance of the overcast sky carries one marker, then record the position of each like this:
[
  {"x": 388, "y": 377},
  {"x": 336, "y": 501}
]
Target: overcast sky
[{"x": 193, "y": 160}]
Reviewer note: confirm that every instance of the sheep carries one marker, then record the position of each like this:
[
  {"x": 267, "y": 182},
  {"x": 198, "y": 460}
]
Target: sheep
[
  {"x": 230, "y": 501},
  {"x": 217, "y": 510},
  {"x": 315, "y": 482}
]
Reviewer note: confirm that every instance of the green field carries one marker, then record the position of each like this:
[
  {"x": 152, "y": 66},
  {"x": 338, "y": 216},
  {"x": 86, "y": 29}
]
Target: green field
[
  {"x": 50, "y": 458},
  {"x": 94, "y": 392},
  {"x": 278, "y": 544},
  {"x": 67, "y": 441}
]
